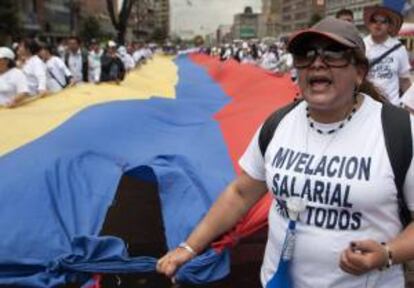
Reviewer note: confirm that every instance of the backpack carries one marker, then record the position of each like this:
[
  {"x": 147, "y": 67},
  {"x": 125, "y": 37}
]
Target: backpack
[{"x": 396, "y": 126}]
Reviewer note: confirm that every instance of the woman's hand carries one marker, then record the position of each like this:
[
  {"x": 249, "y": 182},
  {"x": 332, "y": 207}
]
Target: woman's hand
[
  {"x": 172, "y": 261},
  {"x": 362, "y": 257}
]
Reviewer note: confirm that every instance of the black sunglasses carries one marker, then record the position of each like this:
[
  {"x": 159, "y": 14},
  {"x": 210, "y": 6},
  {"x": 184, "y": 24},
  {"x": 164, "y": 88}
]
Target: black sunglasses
[
  {"x": 332, "y": 57},
  {"x": 379, "y": 21}
]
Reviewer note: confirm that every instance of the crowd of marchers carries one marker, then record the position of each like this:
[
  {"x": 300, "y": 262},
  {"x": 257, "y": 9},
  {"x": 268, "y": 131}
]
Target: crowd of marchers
[
  {"x": 31, "y": 69},
  {"x": 389, "y": 59}
]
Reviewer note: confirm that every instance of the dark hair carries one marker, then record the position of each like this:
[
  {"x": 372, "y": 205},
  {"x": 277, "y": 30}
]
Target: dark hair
[
  {"x": 31, "y": 45},
  {"x": 77, "y": 39},
  {"x": 11, "y": 63},
  {"x": 48, "y": 47},
  {"x": 344, "y": 12}
]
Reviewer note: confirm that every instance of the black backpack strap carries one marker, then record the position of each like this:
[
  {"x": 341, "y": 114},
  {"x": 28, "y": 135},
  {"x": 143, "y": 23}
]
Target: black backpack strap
[
  {"x": 398, "y": 142},
  {"x": 271, "y": 123},
  {"x": 385, "y": 54}
]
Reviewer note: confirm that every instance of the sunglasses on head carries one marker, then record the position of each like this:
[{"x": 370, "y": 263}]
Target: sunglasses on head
[
  {"x": 332, "y": 56},
  {"x": 381, "y": 20}
]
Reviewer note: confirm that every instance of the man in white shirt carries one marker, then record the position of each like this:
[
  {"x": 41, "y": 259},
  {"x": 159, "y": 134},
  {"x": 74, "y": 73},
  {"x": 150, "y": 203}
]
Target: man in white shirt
[
  {"x": 77, "y": 60},
  {"x": 58, "y": 75},
  {"x": 94, "y": 61},
  {"x": 391, "y": 73}
]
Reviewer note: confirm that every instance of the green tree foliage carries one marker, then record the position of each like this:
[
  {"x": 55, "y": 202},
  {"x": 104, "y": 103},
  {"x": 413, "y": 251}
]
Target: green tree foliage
[
  {"x": 10, "y": 21},
  {"x": 91, "y": 28}
]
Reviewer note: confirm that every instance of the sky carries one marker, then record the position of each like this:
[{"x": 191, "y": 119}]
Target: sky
[{"x": 204, "y": 16}]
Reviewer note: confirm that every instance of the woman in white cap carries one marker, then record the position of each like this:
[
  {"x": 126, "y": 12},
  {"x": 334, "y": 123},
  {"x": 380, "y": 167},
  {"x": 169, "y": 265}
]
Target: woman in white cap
[
  {"x": 327, "y": 154},
  {"x": 13, "y": 84}
]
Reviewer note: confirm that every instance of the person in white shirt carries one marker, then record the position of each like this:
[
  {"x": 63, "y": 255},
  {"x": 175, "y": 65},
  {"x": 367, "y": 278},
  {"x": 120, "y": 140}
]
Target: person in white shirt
[
  {"x": 13, "y": 83},
  {"x": 392, "y": 73},
  {"x": 285, "y": 64},
  {"x": 147, "y": 52},
  {"x": 61, "y": 48},
  {"x": 94, "y": 62},
  {"x": 33, "y": 67},
  {"x": 139, "y": 54},
  {"x": 57, "y": 74},
  {"x": 76, "y": 59},
  {"x": 126, "y": 58},
  {"x": 327, "y": 168},
  {"x": 270, "y": 58}
]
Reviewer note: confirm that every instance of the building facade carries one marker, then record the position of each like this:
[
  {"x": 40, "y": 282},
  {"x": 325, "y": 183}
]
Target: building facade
[
  {"x": 143, "y": 18},
  {"x": 31, "y": 14},
  {"x": 151, "y": 18},
  {"x": 224, "y": 34},
  {"x": 54, "y": 19},
  {"x": 299, "y": 14},
  {"x": 271, "y": 10},
  {"x": 246, "y": 25}
]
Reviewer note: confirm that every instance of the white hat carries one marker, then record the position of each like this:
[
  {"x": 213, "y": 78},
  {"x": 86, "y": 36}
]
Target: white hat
[
  {"x": 6, "y": 53},
  {"x": 111, "y": 44},
  {"x": 122, "y": 50},
  {"x": 245, "y": 45}
]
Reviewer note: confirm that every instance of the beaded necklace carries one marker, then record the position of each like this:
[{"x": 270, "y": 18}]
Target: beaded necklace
[{"x": 340, "y": 126}]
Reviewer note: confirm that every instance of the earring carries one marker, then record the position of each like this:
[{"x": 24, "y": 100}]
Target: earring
[{"x": 356, "y": 90}]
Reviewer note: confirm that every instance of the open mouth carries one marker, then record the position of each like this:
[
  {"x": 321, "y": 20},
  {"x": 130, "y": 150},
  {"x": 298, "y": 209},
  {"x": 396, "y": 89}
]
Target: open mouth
[{"x": 319, "y": 82}]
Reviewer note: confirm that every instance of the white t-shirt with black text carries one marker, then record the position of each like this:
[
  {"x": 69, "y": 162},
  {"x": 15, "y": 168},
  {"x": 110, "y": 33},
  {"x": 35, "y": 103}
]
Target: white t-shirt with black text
[
  {"x": 385, "y": 74},
  {"x": 347, "y": 179}
]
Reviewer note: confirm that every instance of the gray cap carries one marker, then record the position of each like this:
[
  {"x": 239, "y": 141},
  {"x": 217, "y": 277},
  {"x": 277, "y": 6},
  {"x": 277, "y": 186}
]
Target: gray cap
[{"x": 337, "y": 30}]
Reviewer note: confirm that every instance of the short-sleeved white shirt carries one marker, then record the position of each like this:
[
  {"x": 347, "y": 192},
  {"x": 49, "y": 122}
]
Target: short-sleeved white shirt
[
  {"x": 12, "y": 83},
  {"x": 35, "y": 71},
  {"x": 349, "y": 184},
  {"x": 75, "y": 65},
  {"x": 385, "y": 75},
  {"x": 57, "y": 71}
]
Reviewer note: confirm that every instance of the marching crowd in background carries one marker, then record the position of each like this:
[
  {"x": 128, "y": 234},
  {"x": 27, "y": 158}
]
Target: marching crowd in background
[
  {"x": 389, "y": 59},
  {"x": 32, "y": 69}
]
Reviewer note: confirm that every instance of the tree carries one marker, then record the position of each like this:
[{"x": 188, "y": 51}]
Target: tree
[
  {"x": 91, "y": 28},
  {"x": 10, "y": 22},
  {"x": 120, "y": 21}
]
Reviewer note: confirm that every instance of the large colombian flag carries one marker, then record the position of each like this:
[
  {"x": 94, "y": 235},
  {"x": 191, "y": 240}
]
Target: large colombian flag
[{"x": 62, "y": 158}]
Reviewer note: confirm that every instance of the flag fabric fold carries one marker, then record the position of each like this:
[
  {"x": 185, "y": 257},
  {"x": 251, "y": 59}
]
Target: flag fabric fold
[{"x": 57, "y": 189}]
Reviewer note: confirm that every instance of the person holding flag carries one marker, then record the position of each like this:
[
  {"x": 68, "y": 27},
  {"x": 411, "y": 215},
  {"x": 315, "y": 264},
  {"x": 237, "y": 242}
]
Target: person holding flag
[{"x": 334, "y": 220}]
